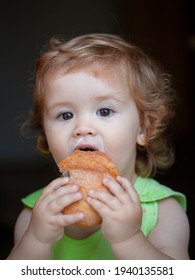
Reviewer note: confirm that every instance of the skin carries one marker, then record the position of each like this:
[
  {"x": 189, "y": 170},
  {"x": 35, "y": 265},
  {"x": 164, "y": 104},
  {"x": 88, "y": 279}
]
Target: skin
[{"x": 82, "y": 109}]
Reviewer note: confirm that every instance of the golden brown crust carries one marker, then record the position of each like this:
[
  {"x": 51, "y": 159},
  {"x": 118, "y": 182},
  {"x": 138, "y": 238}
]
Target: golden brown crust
[
  {"x": 87, "y": 169},
  {"x": 96, "y": 161}
]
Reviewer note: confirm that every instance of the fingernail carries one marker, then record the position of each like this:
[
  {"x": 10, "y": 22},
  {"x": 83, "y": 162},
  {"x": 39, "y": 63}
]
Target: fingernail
[
  {"x": 91, "y": 192},
  {"x": 105, "y": 180},
  {"x": 79, "y": 194},
  {"x": 81, "y": 215},
  {"x": 65, "y": 179},
  {"x": 89, "y": 199}
]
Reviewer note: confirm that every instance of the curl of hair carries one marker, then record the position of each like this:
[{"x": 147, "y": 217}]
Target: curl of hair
[{"x": 148, "y": 83}]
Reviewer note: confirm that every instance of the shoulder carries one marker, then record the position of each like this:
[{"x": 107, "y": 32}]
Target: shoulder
[
  {"x": 24, "y": 217},
  {"x": 151, "y": 190},
  {"x": 167, "y": 221},
  {"x": 171, "y": 233}
]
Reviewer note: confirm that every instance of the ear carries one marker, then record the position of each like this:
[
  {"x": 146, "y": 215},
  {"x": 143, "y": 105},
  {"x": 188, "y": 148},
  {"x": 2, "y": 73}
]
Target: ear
[
  {"x": 42, "y": 144},
  {"x": 141, "y": 137}
]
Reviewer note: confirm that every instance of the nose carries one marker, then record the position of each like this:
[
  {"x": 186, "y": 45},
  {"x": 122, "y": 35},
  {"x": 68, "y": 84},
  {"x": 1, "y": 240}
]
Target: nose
[{"x": 84, "y": 126}]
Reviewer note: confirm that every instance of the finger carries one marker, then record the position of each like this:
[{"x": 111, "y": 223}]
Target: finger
[
  {"x": 65, "y": 220},
  {"x": 55, "y": 184},
  {"x": 58, "y": 204},
  {"x": 105, "y": 198},
  {"x": 128, "y": 187},
  {"x": 116, "y": 189},
  {"x": 57, "y": 193},
  {"x": 101, "y": 208}
]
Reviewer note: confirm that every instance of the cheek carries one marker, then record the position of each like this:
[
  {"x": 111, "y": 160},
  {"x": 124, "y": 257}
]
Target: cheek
[
  {"x": 55, "y": 143},
  {"x": 124, "y": 147},
  {"x": 59, "y": 143},
  {"x": 121, "y": 146}
]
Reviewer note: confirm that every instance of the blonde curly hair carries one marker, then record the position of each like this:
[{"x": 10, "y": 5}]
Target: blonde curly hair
[{"x": 149, "y": 85}]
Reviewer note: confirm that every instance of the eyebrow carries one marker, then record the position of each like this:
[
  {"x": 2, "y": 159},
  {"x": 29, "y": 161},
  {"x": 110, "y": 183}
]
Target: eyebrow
[
  {"x": 58, "y": 104},
  {"x": 108, "y": 97}
]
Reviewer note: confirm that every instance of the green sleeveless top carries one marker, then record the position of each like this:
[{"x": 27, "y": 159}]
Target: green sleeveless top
[{"x": 96, "y": 247}]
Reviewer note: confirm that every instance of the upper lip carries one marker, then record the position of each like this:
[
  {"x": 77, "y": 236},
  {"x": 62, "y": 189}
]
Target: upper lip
[{"x": 84, "y": 143}]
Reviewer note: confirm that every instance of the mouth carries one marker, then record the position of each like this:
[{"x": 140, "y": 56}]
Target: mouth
[{"x": 86, "y": 148}]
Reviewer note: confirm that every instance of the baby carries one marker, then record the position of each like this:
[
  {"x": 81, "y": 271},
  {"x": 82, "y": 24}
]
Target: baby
[{"x": 100, "y": 92}]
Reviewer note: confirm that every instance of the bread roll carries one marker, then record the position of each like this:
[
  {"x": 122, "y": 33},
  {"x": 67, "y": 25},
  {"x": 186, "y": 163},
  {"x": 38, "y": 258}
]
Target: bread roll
[{"x": 87, "y": 169}]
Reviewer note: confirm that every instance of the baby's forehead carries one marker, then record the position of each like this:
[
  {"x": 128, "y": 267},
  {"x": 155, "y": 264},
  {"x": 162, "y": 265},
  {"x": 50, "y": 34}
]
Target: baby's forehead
[{"x": 110, "y": 74}]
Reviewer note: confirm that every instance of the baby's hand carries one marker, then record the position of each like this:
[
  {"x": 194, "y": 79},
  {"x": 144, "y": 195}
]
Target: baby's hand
[
  {"x": 120, "y": 211},
  {"x": 47, "y": 222}
]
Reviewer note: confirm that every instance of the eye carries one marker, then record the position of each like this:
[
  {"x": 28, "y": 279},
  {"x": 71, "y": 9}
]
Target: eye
[
  {"x": 105, "y": 112},
  {"x": 66, "y": 116}
]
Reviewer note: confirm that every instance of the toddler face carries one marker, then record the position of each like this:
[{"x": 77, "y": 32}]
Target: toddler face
[{"x": 83, "y": 111}]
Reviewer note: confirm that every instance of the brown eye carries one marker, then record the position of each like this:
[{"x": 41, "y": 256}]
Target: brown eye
[
  {"x": 105, "y": 112},
  {"x": 66, "y": 116}
]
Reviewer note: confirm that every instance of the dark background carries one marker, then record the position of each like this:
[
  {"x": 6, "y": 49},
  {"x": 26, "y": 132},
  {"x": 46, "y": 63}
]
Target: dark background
[{"x": 165, "y": 29}]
